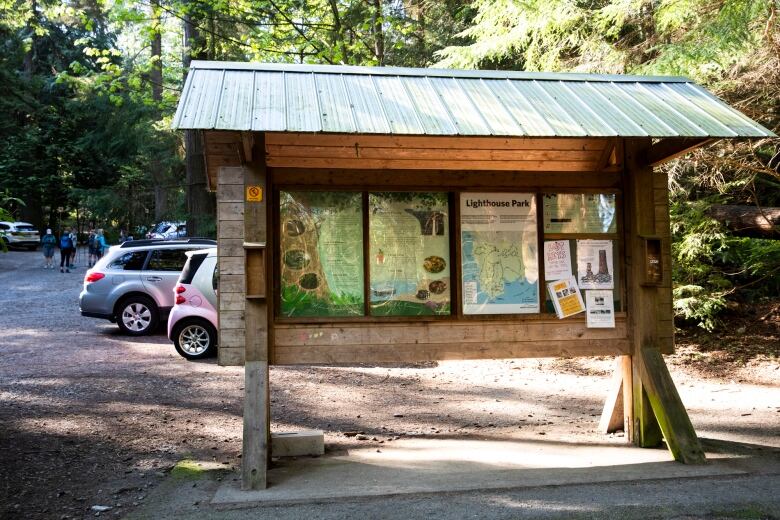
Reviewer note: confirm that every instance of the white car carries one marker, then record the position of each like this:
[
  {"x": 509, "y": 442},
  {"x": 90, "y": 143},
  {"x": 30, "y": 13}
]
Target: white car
[
  {"x": 169, "y": 230},
  {"x": 20, "y": 234}
]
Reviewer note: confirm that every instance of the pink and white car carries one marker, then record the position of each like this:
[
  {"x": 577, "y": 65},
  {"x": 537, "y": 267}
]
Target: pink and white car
[{"x": 192, "y": 323}]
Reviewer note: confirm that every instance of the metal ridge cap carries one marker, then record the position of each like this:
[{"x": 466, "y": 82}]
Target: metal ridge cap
[{"x": 433, "y": 72}]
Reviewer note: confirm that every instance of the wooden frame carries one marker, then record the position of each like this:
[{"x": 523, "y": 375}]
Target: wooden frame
[{"x": 642, "y": 393}]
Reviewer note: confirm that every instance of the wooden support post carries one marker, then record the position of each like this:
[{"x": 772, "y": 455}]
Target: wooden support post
[
  {"x": 612, "y": 414},
  {"x": 618, "y": 413},
  {"x": 257, "y": 433},
  {"x": 668, "y": 408},
  {"x": 658, "y": 412},
  {"x": 647, "y": 432}
]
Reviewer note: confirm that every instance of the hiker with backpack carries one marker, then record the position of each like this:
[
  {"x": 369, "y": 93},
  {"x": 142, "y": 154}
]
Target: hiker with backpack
[
  {"x": 49, "y": 242},
  {"x": 66, "y": 250}
]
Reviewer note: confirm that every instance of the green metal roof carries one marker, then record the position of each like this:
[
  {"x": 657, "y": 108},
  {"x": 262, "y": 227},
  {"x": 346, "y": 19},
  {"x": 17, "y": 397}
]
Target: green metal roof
[{"x": 389, "y": 100}]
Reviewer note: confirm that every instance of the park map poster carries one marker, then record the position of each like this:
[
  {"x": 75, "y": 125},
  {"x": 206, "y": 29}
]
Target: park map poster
[{"x": 499, "y": 253}]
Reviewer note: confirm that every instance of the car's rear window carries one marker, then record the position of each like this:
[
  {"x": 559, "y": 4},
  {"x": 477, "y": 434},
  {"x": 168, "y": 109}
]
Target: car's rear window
[
  {"x": 167, "y": 260},
  {"x": 191, "y": 267},
  {"x": 25, "y": 228},
  {"x": 132, "y": 261}
]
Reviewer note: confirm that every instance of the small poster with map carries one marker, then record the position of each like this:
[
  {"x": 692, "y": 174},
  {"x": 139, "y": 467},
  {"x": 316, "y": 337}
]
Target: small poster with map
[
  {"x": 499, "y": 254},
  {"x": 594, "y": 264}
]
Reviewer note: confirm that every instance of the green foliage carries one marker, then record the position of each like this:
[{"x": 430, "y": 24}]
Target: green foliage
[{"x": 713, "y": 267}]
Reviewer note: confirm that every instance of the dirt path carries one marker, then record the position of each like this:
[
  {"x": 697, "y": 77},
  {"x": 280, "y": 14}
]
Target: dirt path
[{"x": 89, "y": 417}]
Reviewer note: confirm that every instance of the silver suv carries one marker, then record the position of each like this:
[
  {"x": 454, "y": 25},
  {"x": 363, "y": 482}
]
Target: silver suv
[{"x": 132, "y": 285}]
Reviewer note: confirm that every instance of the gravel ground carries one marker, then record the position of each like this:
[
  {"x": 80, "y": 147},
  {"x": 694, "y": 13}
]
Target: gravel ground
[{"x": 90, "y": 417}]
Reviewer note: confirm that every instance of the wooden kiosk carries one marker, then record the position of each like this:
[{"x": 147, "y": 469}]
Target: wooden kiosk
[{"x": 402, "y": 215}]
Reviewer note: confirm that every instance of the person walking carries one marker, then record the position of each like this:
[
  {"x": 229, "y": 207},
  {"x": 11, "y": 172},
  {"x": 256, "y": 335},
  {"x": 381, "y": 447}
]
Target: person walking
[
  {"x": 92, "y": 248},
  {"x": 66, "y": 249},
  {"x": 101, "y": 244},
  {"x": 74, "y": 239},
  {"x": 48, "y": 243}
]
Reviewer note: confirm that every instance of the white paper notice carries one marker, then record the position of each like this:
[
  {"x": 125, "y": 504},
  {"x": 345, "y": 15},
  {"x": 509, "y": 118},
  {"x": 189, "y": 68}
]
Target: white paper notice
[
  {"x": 600, "y": 309},
  {"x": 557, "y": 260},
  {"x": 594, "y": 264}
]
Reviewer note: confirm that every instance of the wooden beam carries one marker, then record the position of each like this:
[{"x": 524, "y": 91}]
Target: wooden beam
[
  {"x": 257, "y": 433},
  {"x": 642, "y": 300},
  {"x": 607, "y": 157},
  {"x": 247, "y": 146},
  {"x": 612, "y": 414},
  {"x": 668, "y": 408},
  {"x": 673, "y": 147},
  {"x": 446, "y": 142}
]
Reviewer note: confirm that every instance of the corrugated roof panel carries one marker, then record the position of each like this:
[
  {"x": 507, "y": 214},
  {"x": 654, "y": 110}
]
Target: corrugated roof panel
[
  {"x": 269, "y": 111},
  {"x": 369, "y": 114},
  {"x": 303, "y": 108},
  {"x": 465, "y": 115},
  {"x": 733, "y": 119},
  {"x": 335, "y": 106},
  {"x": 236, "y": 97},
  {"x": 578, "y": 109},
  {"x": 602, "y": 106},
  {"x": 432, "y": 113},
  {"x": 634, "y": 111},
  {"x": 496, "y": 114},
  {"x": 203, "y": 100},
  {"x": 399, "y": 109},
  {"x": 520, "y": 108},
  {"x": 703, "y": 120},
  {"x": 679, "y": 123},
  {"x": 553, "y": 114},
  {"x": 386, "y": 100}
]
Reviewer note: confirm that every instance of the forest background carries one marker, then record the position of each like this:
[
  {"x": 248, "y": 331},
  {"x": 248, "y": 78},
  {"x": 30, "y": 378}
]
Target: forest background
[{"x": 89, "y": 88}]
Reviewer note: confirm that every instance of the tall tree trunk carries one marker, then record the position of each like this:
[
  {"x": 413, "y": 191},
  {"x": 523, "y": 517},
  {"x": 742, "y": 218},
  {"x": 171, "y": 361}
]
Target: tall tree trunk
[
  {"x": 201, "y": 205},
  {"x": 337, "y": 36},
  {"x": 156, "y": 79},
  {"x": 379, "y": 35}
]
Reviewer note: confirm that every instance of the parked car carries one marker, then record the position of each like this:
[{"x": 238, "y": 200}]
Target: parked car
[
  {"x": 192, "y": 323},
  {"x": 169, "y": 230},
  {"x": 132, "y": 285},
  {"x": 20, "y": 234}
]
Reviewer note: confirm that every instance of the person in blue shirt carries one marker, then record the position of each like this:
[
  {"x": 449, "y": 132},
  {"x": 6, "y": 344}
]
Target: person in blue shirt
[
  {"x": 100, "y": 244},
  {"x": 49, "y": 242},
  {"x": 66, "y": 249}
]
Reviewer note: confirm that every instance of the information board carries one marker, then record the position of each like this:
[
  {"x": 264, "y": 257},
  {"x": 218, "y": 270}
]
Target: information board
[{"x": 499, "y": 253}]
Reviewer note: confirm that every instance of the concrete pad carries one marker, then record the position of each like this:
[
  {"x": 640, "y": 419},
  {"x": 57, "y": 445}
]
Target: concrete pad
[
  {"x": 412, "y": 466},
  {"x": 298, "y": 444}
]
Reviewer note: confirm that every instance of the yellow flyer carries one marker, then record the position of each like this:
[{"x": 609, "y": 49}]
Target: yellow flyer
[{"x": 566, "y": 297}]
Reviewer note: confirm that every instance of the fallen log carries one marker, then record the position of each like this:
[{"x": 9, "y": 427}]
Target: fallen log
[{"x": 748, "y": 221}]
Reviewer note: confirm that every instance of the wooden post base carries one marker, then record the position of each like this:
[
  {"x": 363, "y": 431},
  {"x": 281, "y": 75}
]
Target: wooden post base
[
  {"x": 656, "y": 411},
  {"x": 254, "y": 463}
]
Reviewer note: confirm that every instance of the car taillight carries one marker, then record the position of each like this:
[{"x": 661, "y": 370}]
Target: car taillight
[
  {"x": 93, "y": 277},
  {"x": 180, "y": 289},
  {"x": 180, "y": 299}
]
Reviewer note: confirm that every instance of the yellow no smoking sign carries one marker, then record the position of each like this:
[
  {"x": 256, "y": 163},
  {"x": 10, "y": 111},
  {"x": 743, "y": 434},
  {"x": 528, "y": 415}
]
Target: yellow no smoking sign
[{"x": 254, "y": 194}]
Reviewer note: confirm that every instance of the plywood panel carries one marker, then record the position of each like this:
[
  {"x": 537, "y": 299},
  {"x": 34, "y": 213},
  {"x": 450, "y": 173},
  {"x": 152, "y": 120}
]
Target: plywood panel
[
  {"x": 388, "y": 334},
  {"x": 231, "y": 356},
  {"x": 378, "y": 353},
  {"x": 443, "y": 179},
  {"x": 430, "y": 164},
  {"x": 459, "y": 154}
]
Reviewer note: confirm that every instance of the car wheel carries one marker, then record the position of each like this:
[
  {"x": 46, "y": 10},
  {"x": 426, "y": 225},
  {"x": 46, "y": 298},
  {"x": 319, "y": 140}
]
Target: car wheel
[
  {"x": 195, "y": 339},
  {"x": 137, "y": 316}
]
